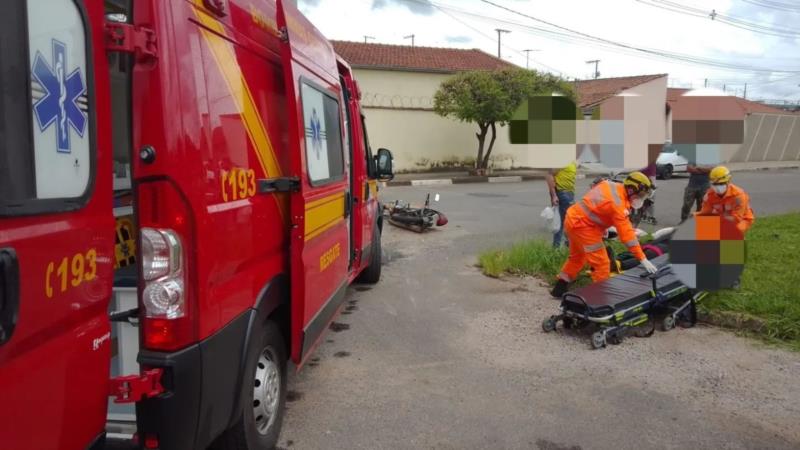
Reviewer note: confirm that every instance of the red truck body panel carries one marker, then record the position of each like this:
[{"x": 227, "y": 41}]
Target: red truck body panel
[
  {"x": 239, "y": 93},
  {"x": 54, "y": 368}
]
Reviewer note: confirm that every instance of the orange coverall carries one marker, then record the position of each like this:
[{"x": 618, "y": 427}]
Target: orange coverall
[
  {"x": 586, "y": 222},
  {"x": 733, "y": 206}
]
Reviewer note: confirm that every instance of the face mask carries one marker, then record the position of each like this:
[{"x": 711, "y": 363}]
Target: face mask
[
  {"x": 720, "y": 188},
  {"x": 637, "y": 203}
]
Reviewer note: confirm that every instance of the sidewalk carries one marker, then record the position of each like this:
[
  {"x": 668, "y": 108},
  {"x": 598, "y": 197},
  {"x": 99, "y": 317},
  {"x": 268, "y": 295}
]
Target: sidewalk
[{"x": 516, "y": 176}]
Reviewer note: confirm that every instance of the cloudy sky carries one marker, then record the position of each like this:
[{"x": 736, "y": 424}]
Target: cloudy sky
[{"x": 755, "y": 41}]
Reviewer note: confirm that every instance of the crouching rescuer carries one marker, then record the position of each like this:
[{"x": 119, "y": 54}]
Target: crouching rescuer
[{"x": 607, "y": 203}]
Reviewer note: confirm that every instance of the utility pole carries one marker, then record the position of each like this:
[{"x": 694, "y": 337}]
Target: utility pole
[
  {"x": 706, "y": 83},
  {"x": 596, "y": 63},
  {"x": 528, "y": 56},
  {"x": 410, "y": 36},
  {"x": 724, "y": 88},
  {"x": 745, "y": 91},
  {"x": 368, "y": 37},
  {"x": 500, "y": 32}
]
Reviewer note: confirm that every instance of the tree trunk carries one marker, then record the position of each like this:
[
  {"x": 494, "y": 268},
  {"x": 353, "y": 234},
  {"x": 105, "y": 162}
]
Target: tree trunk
[
  {"x": 481, "y": 139},
  {"x": 485, "y": 162}
]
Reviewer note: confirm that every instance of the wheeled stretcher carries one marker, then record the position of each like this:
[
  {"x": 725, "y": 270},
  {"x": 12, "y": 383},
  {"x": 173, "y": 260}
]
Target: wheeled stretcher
[{"x": 627, "y": 301}]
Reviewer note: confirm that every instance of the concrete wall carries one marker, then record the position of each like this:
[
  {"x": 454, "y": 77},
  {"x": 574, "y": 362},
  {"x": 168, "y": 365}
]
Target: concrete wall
[
  {"x": 398, "y": 107},
  {"x": 769, "y": 137},
  {"x": 399, "y": 111}
]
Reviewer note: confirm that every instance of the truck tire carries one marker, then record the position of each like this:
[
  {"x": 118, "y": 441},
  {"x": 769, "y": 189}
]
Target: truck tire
[
  {"x": 263, "y": 395},
  {"x": 372, "y": 274}
]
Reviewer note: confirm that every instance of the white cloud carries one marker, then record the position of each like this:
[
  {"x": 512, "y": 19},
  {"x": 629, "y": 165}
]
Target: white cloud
[{"x": 445, "y": 22}]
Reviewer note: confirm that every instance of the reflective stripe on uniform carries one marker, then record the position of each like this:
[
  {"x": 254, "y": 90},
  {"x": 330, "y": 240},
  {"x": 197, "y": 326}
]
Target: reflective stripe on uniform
[
  {"x": 592, "y": 216},
  {"x": 632, "y": 243},
  {"x": 592, "y": 247},
  {"x": 565, "y": 277},
  {"x": 614, "y": 193}
]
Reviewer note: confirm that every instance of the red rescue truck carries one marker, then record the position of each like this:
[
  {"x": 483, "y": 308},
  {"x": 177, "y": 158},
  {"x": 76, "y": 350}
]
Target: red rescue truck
[{"x": 227, "y": 139}]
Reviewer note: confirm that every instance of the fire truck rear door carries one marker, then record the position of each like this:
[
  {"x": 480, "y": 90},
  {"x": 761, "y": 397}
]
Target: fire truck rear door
[
  {"x": 321, "y": 204},
  {"x": 56, "y": 224}
]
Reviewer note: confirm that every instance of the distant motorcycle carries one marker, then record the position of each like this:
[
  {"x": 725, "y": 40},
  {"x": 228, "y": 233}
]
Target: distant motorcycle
[{"x": 403, "y": 215}]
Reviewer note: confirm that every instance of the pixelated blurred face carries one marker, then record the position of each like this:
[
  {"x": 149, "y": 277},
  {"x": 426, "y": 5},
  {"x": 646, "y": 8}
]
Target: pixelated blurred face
[
  {"x": 625, "y": 131},
  {"x": 708, "y": 253},
  {"x": 707, "y": 130},
  {"x": 546, "y": 125}
]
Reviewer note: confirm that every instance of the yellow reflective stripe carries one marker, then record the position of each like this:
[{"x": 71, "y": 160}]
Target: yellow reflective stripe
[
  {"x": 632, "y": 243},
  {"x": 224, "y": 55},
  {"x": 591, "y": 215},
  {"x": 592, "y": 247},
  {"x": 323, "y": 214}
]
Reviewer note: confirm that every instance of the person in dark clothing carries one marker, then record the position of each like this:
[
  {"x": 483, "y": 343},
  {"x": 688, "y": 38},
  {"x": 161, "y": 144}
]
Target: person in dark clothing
[{"x": 695, "y": 190}]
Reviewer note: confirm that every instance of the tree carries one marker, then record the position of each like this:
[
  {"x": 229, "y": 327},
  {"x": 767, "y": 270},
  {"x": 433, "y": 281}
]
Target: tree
[{"x": 489, "y": 98}]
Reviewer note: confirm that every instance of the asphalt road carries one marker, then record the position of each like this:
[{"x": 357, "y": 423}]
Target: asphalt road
[{"x": 438, "y": 356}]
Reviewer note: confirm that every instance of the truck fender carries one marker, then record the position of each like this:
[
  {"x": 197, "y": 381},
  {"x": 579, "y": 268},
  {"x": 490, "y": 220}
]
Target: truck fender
[{"x": 272, "y": 296}]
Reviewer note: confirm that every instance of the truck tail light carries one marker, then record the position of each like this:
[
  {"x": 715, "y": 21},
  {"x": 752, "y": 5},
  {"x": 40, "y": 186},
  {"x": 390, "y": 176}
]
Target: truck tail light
[
  {"x": 167, "y": 290},
  {"x": 162, "y": 270}
]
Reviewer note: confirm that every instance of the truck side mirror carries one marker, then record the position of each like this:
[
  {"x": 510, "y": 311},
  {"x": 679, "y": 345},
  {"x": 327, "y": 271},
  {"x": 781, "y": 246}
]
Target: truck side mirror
[{"x": 384, "y": 164}]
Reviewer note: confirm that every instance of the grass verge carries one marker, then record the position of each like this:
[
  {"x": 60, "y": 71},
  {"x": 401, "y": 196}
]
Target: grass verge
[{"x": 769, "y": 295}]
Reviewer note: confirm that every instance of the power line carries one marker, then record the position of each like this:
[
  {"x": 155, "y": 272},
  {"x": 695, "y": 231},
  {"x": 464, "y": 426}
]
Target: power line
[
  {"x": 774, "y": 5},
  {"x": 487, "y": 36},
  {"x": 721, "y": 18},
  {"x": 652, "y": 52}
]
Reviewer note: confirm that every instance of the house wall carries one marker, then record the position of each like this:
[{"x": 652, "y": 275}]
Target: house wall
[{"x": 399, "y": 111}]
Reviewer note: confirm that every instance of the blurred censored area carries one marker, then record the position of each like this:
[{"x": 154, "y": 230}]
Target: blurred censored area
[
  {"x": 629, "y": 130},
  {"x": 707, "y": 130},
  {"x": 708, "y": 253}
]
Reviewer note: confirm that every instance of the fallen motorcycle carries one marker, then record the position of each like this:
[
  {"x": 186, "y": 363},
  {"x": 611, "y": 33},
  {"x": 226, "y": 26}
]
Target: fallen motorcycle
[{"x": 403, "y": 215}]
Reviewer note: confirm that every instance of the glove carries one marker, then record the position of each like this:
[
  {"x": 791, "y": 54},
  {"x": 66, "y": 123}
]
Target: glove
[{"x": 648, "y": 266}]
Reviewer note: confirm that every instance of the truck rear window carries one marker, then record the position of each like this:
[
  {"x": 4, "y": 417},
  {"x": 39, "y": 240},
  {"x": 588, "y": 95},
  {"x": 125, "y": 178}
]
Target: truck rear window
[
  {"x": 46, "y": 157},
  {"x": 323, "y": 132}
]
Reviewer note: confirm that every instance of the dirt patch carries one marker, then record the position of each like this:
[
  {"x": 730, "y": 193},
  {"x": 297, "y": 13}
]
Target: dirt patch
[
  {"x": 338, "y": 326},
  {"x": 293, "y": 396}
]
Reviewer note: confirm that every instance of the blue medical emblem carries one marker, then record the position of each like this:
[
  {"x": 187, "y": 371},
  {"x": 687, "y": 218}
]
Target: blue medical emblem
[
  {"x": 316, "y": 133},
  {"x": 60, "y": 101}
]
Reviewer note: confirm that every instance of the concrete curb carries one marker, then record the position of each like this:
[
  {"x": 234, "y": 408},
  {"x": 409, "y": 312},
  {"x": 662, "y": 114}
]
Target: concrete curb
[
  {"x": 466, "y": 180},
  {"x": 521, "y": 178}
]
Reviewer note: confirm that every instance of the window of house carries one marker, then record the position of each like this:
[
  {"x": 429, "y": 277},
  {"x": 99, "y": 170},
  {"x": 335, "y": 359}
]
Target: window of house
[
  {"x": 323, "y": 135},
  {"x": 45, "y": 149}
]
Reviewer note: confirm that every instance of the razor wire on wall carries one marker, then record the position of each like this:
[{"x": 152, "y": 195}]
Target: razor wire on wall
[{"x": 378, "y": 100}]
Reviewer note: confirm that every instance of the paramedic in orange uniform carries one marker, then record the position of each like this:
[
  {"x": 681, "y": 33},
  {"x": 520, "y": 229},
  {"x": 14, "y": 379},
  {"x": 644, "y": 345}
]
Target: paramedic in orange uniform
[
  {"x": 727, "y": 200},
  {"x": 607, "y": 203}
]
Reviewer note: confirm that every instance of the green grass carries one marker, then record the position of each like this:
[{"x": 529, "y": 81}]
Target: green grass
[{"x": 770, "y": 284}]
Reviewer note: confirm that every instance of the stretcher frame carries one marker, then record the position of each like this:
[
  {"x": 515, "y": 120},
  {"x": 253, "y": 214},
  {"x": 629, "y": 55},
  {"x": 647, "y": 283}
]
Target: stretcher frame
[{"x": 614, "y": 326}]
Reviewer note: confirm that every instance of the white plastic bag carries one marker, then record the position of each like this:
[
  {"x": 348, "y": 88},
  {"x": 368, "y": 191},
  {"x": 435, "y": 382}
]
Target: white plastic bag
[{"x": 551, "y": 218}]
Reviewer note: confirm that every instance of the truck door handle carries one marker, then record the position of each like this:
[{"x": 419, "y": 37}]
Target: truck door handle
[{"x": 9, "y": 293}]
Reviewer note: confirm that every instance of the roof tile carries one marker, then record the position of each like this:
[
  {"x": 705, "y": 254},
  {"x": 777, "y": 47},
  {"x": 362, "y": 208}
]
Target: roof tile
[{"x": 422, "y": 59}]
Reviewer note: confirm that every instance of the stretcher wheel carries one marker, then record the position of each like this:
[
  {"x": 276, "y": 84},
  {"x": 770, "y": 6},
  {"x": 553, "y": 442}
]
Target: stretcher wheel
[
  {"x": 598, "y": 340},
  {"x": 549, "y": 324},
  {"x": 668, "y": 323}
]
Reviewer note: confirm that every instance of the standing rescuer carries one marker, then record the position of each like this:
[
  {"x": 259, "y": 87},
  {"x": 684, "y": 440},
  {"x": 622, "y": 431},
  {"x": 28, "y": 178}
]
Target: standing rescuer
[
  {"x": 695, "y": 190},
  {"x": 561, "y": 184},
  {"x": 727, "y": 200},
  {"x": 607, "y": 203}
]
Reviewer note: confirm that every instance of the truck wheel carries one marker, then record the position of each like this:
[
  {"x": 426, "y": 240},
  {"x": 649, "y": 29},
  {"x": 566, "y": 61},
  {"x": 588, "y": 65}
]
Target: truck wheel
[
  {"x": 372, "y": 274},
  {"x": 263, "y": 396}
]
